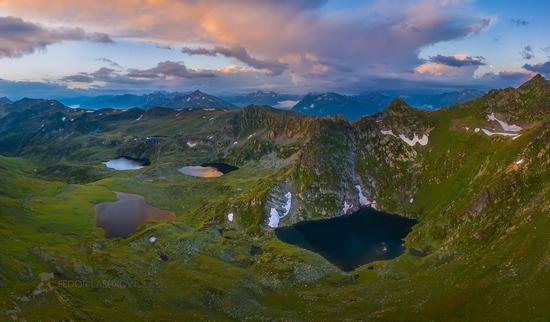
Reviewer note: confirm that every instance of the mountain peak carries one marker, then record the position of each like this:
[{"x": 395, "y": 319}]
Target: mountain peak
[
  {"x": 5, "y": 100},
  {"x": 538, "y": 81},
  {"x": 398, "y": 102},
  {"x": 398, "y": 106}
]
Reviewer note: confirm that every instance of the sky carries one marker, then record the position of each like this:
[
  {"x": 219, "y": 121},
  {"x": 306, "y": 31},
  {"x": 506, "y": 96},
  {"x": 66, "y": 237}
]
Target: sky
[{"x": 55, "y": 48}]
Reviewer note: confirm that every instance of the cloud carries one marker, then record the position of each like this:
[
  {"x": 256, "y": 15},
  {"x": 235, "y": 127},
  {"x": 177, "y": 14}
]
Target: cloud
[
  {"x": 233, "y": 69},
  {"x": 458, "y": 60},
  {"x": 527, "y": 53},
  {"x": 79, "y": 78},
  {"x": 519, "y": 22},
  {"x": 453, "y": 68},
  {"x": 150, "y": 78},
  {"x": 542, "y": 68},
  {"x": 240, "y": 53},
  {"x": 169, "y": 69},
  {"x": 103, "y": 74},
  {"x": 434, "y": 69},
  {"x": 321, "y": 47},
  {"x": 505, "y": 78},
  {"x": 19, "y": 37},
  {"x": 294, "y": 45},
  {"x": 109, "y": 61}
]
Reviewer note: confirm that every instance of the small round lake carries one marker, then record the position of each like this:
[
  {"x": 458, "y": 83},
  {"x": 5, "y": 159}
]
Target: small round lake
[
  {"x": 352, "y": 240},
  {"x": 126, "y": 163},
  {"x": 121, "y": 218},
  {"x": 208, "y": 170}
]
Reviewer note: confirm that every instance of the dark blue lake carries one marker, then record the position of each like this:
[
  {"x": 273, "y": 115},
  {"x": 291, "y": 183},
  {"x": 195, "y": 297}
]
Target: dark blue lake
[{"x": 352, "y": 240}]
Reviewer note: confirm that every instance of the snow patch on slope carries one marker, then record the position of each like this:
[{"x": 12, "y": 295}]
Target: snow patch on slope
[
  {"x": 363, "y": 201},
  {"x": 422, "y": 141},
  {"x": 347, "y": 207},
  {"x": 411, "y": 142},
  {"x": 275, "y": 217},
  {"x": 512, "y": 135},
  {"x": 505, "y": 126}
]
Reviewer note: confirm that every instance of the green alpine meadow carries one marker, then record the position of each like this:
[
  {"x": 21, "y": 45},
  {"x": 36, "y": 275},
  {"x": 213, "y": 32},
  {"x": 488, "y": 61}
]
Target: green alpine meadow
[{"x": 479, "y": 248}]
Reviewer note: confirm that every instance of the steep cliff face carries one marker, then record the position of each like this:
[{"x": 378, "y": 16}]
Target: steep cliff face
[{"x": 416, "y": 162}]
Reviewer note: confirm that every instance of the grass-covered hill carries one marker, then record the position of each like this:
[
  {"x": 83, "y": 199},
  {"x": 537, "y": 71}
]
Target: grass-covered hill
[{"x": 475, "y": 175}]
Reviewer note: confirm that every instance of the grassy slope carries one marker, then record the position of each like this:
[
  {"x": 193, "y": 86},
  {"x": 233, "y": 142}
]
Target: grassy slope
[{"x": 490, "y": 264}]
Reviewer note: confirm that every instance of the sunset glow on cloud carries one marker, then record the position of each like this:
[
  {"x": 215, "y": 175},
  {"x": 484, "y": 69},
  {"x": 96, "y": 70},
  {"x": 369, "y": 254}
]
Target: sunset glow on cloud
[{"x": 288, "y": 45}]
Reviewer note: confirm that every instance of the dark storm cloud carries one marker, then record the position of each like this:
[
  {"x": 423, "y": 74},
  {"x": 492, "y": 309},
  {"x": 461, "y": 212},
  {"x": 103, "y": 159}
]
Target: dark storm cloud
[
  {"x": 240, "y": 53},
  {"x": 79, "y": 78},
  {"x": 167, "y": 69},
  {"x": 139, "y": 77},
  {"x": 455, "y": 61},
  {"x": 19, "y": 37},
  {"x": 103, "y": 74},
  {"x": 542, "y": 68},
  {"x": 504, "y": 79}
]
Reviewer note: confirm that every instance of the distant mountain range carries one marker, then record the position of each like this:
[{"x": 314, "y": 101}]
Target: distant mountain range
[
  {"x": 431, "y": 102},
  {"x": 320, "y": 104},
  {"x": 281, "y": 101},
  {"x": 351, "y": 107},
  {"x": 355, "y": 106},
  {"x": 196, "y": 99}
]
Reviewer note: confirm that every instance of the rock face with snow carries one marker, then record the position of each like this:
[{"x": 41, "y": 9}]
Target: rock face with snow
[
  {"x": 490, "y": 133},
  {"x": 423, "y": 140},
  {"x": 363, "y": 201},
  {"x": 279, "y": 211},
  {"x": 412, "y": 142},
  {"x": 505, "y": 126},
  {"x": 404, "y": 122},
  {"x": 508, "y": 130},
  {"x": 347, "y": 207}
]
